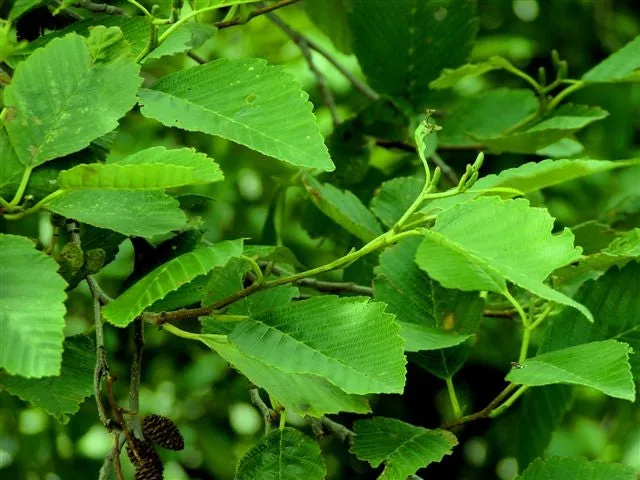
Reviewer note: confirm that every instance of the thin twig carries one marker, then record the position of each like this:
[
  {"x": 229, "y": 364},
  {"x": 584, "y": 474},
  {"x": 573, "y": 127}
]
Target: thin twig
[
  {"x": 136, "y": 365},
  {"x": 268, "y": 414},
  {"x": 257, "y": 12},
  {"x": 99, "y": 7},
  {"x": 303, "y": 44},
  {"x": 113, "y": 458},
  {"x": 324, "y": 286},
  {"x": 117, "y": 411},
  {"x": 499, "y": 313},
  {"x": 339, "y": 430},
  {"x": 484, "y": 413},
  {"x": 197, "y": 58}
]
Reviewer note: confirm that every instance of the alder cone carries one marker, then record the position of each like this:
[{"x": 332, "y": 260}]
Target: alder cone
[
  {"x": 162, "y": 431},
  {"x": 148, "y": 470}
]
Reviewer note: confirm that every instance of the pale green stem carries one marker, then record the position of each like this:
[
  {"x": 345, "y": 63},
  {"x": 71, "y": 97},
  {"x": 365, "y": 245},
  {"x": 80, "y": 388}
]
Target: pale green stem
[
  {"x": 142, "y": 8},
  {"x": 4, "y": 204},
  {"x": 194, "y": 336},
  {"x": 530, "y": 80},
  {"x": 510, "y": 401},
  {"x": 255, "y": 267},
  {"x": 22, "y": 187},
  {"x": 35, "y": 208},
  {"x": 524, "y": 346},
  {"x": 565, "y": 93},
  {"x": 227, "y": 318},
  {"x": 517, "y": 306},
  {"x": 453, "y": 398}
]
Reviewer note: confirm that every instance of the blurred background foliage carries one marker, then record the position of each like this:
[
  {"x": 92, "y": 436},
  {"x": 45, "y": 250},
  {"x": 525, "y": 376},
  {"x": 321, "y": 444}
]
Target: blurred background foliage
[{"x": 202, "y": 394}]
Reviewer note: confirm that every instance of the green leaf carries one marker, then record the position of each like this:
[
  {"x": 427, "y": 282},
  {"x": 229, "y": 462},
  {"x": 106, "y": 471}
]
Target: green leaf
[
  {"x": 32, "y": 309},
  {"x": 243, "y": 100},
  {"x": 11, "y": 167},
  {"x": 615, "y": 305},
  {"x": 344, "y": 208},
  {"x": 600, "y": 365},
  {"x": 331, "y": 17},
  {"x": 285, "y": 454},
  {"x": 62, "y": 395},
  {"x": 303, "y": 393},
  {"x": 531, "y": 177},
  {"x": 561, "y": 123},
  {"x": 349, "y": 341},
  {"x": 430, "y": 316},
  {"x": 401, "y": 62},
  {"x": 153, "y": 168},
  {"x": 167, "y": 278},
  {"x": 142, "y": 213},
  {"x": 186, "y": 37},
  {"x": 578, "y": 468},
  {"x": 402, "y": 447},
  {"x": 51, "y": 112},
  {"x": 621, "y": 66},
  {"x": 461, "y": 252},
  {"x": 394, "y": 197},
  {"x": 476, "y": 116},
  {"x": 626, "y": 245},
  {"x": 20, "y": 7},
  {"x": 450, "y": 77},
  {"x": 264, "y": 301}
]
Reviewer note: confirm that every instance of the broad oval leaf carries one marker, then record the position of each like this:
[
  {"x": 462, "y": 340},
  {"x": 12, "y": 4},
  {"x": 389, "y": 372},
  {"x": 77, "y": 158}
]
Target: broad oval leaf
[
  {"x": 142, "y": 213},
  {"x": 430, "y": 316},
  {"x": 620, "y": 66},
  {"x": 450, "y": 77},
  {"x": 402, "y": 61},
  {"x": 349, "y": 341},
  {"x": 285, "y": 454},
  {"x": 578, "y": 468},
  {"x": 403, "y": 448},
  {"x": 53, "y": 112},
  {"x": 344, "y": 208},
  {"x": 32, "y": 310},
  {"x": 600, "y": 365},
  {"x": 61, "y": 395},
  {"x": 561, "y": 123},
  {"x": 394, "y": 197},
  {"x": 167, "y": 278},
  {"x": 244, "y": 100},
  {"x": 302, "y": 393},
  {"x": 460, "y": 251}
]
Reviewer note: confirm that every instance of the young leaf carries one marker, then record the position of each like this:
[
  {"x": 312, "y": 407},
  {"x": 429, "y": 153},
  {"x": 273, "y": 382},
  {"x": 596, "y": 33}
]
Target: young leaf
[
  {"x": 430, "y": 316},
  {"x": 402, "y": 447},
  {"x": 285, "y": 454},
  {"x": 143, "y": 213},
  {"x": 529, "y": 178},
  {"x": 557, "y": 467},
  {"x": 475, "y": 116},
  {"x": 461, "y": 252},
  {"x": 62, "y": 395},
  {"x": 32, "y": 309},
  {"x": 206, "y": 170},
  {"x": 349, "y": 341},
  {"x": 563, "y": 122},
  {"x": 344, "y": 208},
  {"x": 400, "y": 60},
  {"x": 621, "y": 66},
  {"x": 243, "y": 100},
  {"x": 394, "y": 197},
  {"x": 600, "y": 365},
  {"x": 186, "y": 37},
  {"x": 51, "y": 112},
  {"x": 167, "y": 278},
  {"x": 303, "y": 393},
  {"x": 450, "y": 77}
]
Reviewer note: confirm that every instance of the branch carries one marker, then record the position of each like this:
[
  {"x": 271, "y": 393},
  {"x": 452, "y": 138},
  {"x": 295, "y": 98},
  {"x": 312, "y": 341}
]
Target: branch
[
  {"x": 257, "y": 12},
  {"x": 113, "y": 459},
  {"x": 136, "y": 365},
  {"x": 339, "y": 430},
  {"x": 324, "y": 286},
  {"x": 484, "y": 413},
  {"x": 268, "y": 414},
  {"x": 302, "y": 43},
  {"x": 99, "y": 7}
]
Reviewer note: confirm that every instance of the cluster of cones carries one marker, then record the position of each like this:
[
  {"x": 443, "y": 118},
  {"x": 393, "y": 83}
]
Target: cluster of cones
[{"x": 160, "y": 431}]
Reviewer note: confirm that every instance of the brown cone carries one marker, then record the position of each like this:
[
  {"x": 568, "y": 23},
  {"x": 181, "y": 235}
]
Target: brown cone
[
  {"x": 148, "y": 470},
  {"x": 162, "y": 431},
  {"x": 148, "y": 455}
]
